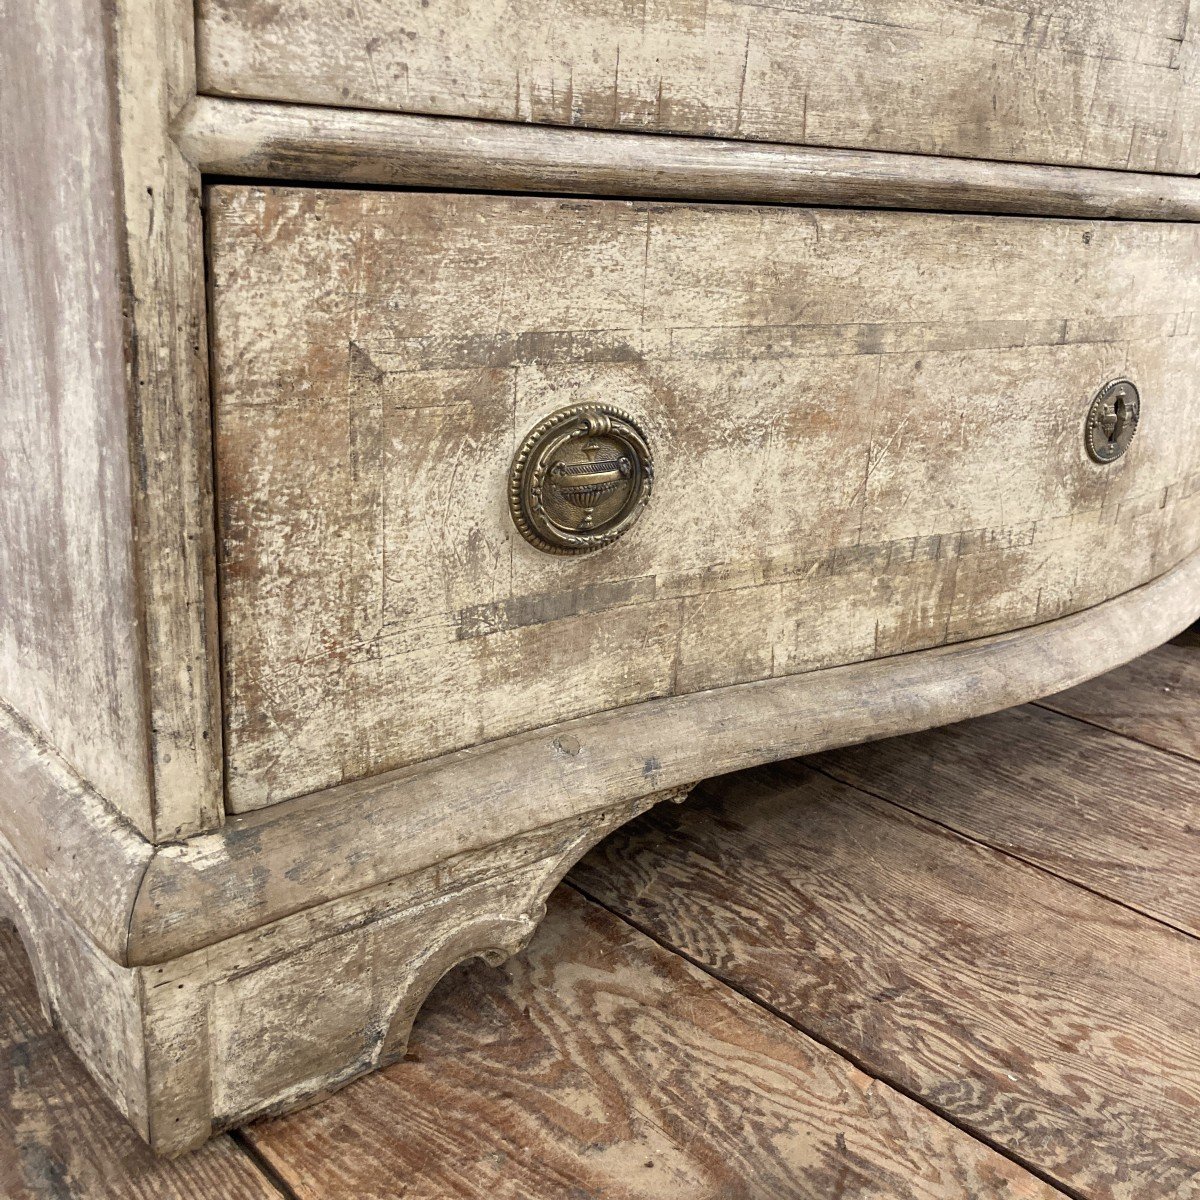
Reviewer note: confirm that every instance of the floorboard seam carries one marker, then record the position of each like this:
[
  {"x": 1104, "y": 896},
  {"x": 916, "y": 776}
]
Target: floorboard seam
[
  {"x": 263, "y": 1164},
  {"x": 1009, "y": 854},
  {"x": 1127, "y": 737},
  {"x": 860, "y": 1065}
]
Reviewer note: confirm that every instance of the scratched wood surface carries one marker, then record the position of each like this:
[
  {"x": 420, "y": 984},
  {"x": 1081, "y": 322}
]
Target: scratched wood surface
[
  {"x": 314, "y": 849},
  {"x": 107, "y": 568},
  {"x": 867, "y": 426},
  {"x": 1112, "y": 814},
  {"x": 259, "y": 139},
  {"x": 1141, "y": 700},
  {"x": 1089, "y": 82},
  {"x": 1045, "y": 1019},
  {"x": 61, "y": 1139},
  {"x": 598, "y": 1064},
  {"x": 68, "y": 605},
  {"x": 149, "y": 48}
]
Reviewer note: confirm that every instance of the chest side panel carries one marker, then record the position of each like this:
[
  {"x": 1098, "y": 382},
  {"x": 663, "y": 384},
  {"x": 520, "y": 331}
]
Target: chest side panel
[{"x": 70, "y": 659}]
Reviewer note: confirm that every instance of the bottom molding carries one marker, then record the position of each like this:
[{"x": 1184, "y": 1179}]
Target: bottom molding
[
  {"x": 281, "y": 1015},
  {"x": 265, "y": 865}
]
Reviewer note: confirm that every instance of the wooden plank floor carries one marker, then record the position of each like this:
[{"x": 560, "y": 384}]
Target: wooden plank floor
[{"x": 963, "y": 963}]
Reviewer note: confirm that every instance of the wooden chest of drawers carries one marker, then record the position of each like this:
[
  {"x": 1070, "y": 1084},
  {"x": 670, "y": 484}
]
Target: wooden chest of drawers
[{"x": 401, "y": 488}]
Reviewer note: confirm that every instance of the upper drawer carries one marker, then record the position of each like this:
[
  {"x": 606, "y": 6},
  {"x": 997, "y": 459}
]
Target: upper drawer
[
  {"x": 1105, "y": 83},
  {"x": 867, "y": 432}
]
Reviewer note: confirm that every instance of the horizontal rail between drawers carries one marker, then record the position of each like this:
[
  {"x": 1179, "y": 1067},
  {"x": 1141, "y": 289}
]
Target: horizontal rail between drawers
[{"x": 252, "y": 139}]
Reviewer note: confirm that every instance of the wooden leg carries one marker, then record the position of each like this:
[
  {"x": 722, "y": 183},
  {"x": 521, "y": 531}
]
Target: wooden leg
[{"x": 280, "y": 1015}]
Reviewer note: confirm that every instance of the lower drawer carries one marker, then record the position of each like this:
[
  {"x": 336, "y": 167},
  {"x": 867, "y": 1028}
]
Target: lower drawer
[{"x": 867, "y": 434}]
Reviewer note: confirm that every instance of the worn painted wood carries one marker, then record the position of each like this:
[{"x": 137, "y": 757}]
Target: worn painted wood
[
  {"x": 382, "y": 368},
  {"x": 599, "y": 1064},
  {"x": 95, "y": 1003},
  {"x": 338, "y": 145},
  {"x": 166, "y": 375},
  {"x": 106, "y": 554},
  {"x": 1090, "y": 82},
  {"x": 1117, "y": 816},
  {"x": 289, "y": 1010},
  {"x": 292, "y": 1010},
  {"x": 60, "y": 1137},
  {"x": 69, "y": 658},
  {"x": 81, "y": 855},
  {"x": 1040, "y": 1017},
  {"x": 867, "y": 427},
  {"x": 1154, "y": 699},
  {"x": 303, "y": 852}
]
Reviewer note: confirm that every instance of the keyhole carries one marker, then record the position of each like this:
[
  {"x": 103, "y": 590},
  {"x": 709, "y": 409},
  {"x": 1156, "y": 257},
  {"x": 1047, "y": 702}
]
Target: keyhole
[{"x": 1114, "y": 424}]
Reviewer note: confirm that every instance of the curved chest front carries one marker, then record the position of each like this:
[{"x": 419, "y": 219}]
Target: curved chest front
[{"x": 868, "y": 430}]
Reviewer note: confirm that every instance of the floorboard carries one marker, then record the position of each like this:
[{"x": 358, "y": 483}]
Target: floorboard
[
  {"x": 1155, "y": 699},
  {"x": 597, "y": 1064},
  {"x": 1101, "y": 810},
  {"x": 1045, "y": 1019},
  {"x": 60, "y": 1139}
]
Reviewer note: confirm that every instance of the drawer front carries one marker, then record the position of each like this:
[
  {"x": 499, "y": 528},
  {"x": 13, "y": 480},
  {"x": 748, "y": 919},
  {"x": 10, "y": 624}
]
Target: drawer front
[
  {"x": 1099, "y": 83},
  {"x": 868, "y": 432}
]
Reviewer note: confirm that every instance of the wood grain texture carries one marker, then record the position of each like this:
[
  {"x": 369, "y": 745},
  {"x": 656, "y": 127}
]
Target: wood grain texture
[
  {"x": 1154, "y": 699},
  {"x": 95, "y": 1003},
  {"x": 296, "y": 854},
  {"x": 166, "y": 379},
  {"x": 83, "y": 857},
  {"x": 1089, "y": 82},
  {"x": 867, "y": 429},
  {"x": 106, "y": 555},
  {"x": 59, "y": 1136},
  {"x": 1038, "y": 1016},
  {"x": 338, "y": 145},
  {"x": 1112, "y": 814},
  {"x": 597, "y": 1064},
  {"x": 69, "y": 657}
]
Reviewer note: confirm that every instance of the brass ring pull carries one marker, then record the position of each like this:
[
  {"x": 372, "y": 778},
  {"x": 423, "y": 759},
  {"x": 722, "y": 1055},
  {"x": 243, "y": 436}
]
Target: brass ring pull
[{"x": 580, "y": 479}]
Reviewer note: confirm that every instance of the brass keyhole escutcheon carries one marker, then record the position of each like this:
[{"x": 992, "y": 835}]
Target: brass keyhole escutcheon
[
  {"x": 580, "y": 479},
  {"x": 1113, "y": 420}
]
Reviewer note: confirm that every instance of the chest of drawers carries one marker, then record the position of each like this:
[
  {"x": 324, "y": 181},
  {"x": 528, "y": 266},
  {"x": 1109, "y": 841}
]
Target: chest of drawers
[{"x": 433, "y": 437}]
